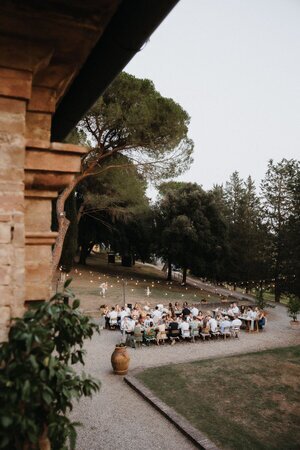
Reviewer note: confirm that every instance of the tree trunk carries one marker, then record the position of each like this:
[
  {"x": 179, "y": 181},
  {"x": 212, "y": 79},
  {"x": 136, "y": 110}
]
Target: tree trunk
[
  {"x": 277, "y": 289},
  {"x": 84, "y": 253},
  {"x": 44, "y": 442},
  {"x": 277, "y": 271},
  {"x": 169, "y": 277},
  {"x": 63, "y": 225},
  {"x": 184, "y": 271}
]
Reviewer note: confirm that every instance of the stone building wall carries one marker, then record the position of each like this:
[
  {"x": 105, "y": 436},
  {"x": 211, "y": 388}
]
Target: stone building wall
[
  {"x": 42, "y": 50},
  {"x": 33, "y": 169},
  {"x": 12, "y": 228}
]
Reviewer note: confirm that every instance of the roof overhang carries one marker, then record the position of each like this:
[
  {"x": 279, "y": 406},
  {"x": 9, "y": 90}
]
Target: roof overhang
[{"x": 130, "y": 27}]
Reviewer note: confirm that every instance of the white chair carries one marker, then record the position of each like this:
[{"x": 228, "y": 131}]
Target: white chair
[
  {"x": 186, "y": 334},
  {"x": 113, "y": 323},
  {"x": 226, "y": 332},
  {"x": 235, "y": 332}
]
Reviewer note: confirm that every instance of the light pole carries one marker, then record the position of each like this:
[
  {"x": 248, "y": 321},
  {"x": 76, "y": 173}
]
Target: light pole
[{"x": 124, "y": 294}]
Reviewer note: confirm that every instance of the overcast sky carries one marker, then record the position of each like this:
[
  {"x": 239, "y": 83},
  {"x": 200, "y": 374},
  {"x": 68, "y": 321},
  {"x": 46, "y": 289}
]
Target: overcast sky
[{"x": 234, "y": 66}]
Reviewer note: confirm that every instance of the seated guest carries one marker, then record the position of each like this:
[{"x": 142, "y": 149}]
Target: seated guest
[
  {"x": 194, "y": 326},
  {"x": 156, "y": 313},
  {"x": 149, "y": 333},
  {"x": 138, "y": 333},
  {"x": 112, "y": 316},
  {"x": 168, "y": 319},
  {"x": 103, "y": 310},
  {"x": 225, "y": 324},
  {"x": 135, "y": 314},
  {"x": 123, "y": 313},
  {"x": 171, "y": 309},
  {"x": 186, "y": 311},
  {"x": 200, "y": 315},
  {"x": 213, "y": 324},
  {"x": 252, "y": 313},
  {"x": 194, "y": 311},
  {"x": 184, "y": 328},
  {"x": 261, "y": 320},
  {"x": 161, "y": 335},
  {"x": 173, "y": 330},
  {"x": 249, "y": 312},
  {"x": 127, "y": 326},
  {"x": 230, "y": 312},
  {"x": 236, "y": 323},
  {"x": 177, "y": 309},
  {"x": 205, "y": 327},
  {"x": 147, "y": 321},
  {"x": 256, "y": 309},
  {"x": 127, "y": 309},
  {"x": 219, "y": 318},
  {"x": 235, "y": 309}
]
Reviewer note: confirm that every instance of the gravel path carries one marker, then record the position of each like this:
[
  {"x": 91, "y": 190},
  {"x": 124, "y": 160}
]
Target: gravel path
[{"x": 117, "y": 418}]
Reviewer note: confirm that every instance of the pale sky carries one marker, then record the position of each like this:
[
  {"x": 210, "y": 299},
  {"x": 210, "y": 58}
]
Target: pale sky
[{"x": 234, "y": 66}]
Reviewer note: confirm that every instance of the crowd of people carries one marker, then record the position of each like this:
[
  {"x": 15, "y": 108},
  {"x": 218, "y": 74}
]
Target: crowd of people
[{"x": 141, "y": 325}]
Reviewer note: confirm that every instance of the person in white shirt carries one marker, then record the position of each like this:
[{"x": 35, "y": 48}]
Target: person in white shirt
[
  {"x": 127, "y": 309},
  {"x": 156, "y": 313},
  {"x": 252, "y": 314},
  {"x": 123, "y": 314},
  {"x": 213, "y": 324},
  {"x": 103, "y": 289},
  {"x": 225, "y": 324},
  {"x": 194, "y": 311},
  {"x": 113, "y": 315},
  {"x": 235, "y": 309},
  {"x": 147, "y": 321},
  {"x": 184, "y": 328},
  {"x": 127, "y": 325},
  {"x": 236, "y": 323}
]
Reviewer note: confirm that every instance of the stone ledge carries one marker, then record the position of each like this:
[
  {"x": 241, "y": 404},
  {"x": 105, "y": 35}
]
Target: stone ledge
[
  {"x": 40, "y": 238},
  {"x": 36, "y": 193},
  {"x": 195, "y": 436},
  {"x": 68, "y": 148}
]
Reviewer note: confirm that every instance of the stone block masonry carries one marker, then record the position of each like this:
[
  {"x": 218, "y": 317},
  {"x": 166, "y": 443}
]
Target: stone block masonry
[{"x": 41, "y": 52}]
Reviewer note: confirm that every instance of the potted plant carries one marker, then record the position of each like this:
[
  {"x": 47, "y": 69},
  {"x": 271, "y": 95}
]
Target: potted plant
[
  {"x": 293, "y": 308},
  {"x": 120, "y": 359}
]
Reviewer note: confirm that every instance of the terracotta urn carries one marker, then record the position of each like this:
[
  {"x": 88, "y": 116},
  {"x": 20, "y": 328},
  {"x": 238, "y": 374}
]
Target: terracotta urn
[{"x": 120, "y": 360}]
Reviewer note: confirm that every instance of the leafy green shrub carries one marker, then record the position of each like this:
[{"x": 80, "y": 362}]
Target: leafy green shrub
[
  {"x": 37, "y": 384},
  {"x": 293, "y": 306}
]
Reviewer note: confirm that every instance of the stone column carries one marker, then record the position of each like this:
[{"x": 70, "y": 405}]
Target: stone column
[
  {"x": 26, "y": 109},
  {"x": 47, "y": 171},
  {"x": 15, "y": 90}
]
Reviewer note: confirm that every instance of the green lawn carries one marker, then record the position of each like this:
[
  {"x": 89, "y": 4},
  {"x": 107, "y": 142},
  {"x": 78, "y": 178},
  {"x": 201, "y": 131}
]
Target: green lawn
[
  {"x": 240, "y": 402},
  {"x": 86, "y": 281}
]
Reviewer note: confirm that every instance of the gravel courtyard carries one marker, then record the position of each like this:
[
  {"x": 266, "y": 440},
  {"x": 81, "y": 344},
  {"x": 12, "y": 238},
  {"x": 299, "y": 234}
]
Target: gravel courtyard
[{"x": 117, "y": 418}]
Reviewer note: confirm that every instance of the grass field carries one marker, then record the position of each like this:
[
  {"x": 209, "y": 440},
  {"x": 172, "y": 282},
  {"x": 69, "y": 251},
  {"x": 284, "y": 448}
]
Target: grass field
[
  {"x": 240, "y": 402},
  {"x": 135, "y": 280}
]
